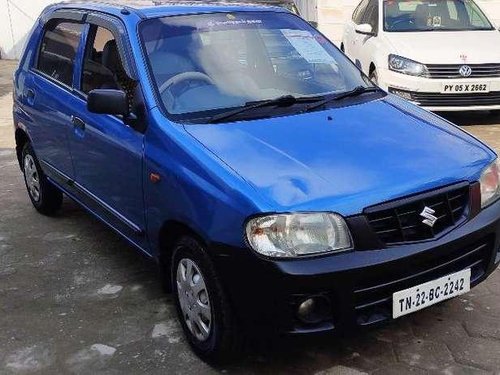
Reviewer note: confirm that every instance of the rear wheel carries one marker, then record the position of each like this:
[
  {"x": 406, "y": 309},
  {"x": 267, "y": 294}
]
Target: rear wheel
[
  {"x": 46, "y": 198},
  {"x": 203, "y": 308}
]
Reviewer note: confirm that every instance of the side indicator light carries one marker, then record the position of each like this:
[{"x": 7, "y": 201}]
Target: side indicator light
[{"x": 154, "y": 178}]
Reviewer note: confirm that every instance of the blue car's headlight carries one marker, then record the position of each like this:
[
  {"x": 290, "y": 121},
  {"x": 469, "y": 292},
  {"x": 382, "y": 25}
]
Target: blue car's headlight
[
  {"x": 490, "y": 184},
  {"x": 406, "y": 66},
  {"x": 300, "y": 234}
]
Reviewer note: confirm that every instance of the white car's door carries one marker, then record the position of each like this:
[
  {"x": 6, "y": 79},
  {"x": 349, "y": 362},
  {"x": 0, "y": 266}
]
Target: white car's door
[
  {"x": 368, "y": 45},
  {"x": 349, "y": 29},
  {"x": 353, "y": 39},
  {"x": 347, "y": 38}
]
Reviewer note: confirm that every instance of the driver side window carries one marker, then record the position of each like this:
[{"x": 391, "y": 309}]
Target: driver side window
[
  {"x": 371, "y": 15},
  {"x": 102, "y": 67},
  {"x": 360, "y": 12}
]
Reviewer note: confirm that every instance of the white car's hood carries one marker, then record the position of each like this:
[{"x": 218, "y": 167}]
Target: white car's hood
[{"x": 443, "y": 47}]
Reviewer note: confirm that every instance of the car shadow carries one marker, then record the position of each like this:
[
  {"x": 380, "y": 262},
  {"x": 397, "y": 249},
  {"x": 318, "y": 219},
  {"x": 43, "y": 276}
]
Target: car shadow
[{"x": 472, "y": 118}]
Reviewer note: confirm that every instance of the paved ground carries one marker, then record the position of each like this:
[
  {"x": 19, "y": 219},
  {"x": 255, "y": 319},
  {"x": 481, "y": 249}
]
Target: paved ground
[{"x": 74, "y": 298}]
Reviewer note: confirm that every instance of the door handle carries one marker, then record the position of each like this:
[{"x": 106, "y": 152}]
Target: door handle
[
  {"x": 78, "y": 122},
  {"x": 30, "y": 96}
]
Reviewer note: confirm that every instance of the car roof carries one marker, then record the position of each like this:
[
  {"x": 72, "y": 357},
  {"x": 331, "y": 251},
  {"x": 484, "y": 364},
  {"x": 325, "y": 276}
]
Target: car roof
[{"x": 158, "y": 8}]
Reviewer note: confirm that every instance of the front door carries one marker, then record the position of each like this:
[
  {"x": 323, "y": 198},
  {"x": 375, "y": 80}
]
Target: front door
[{"x": 107, "y": 154}]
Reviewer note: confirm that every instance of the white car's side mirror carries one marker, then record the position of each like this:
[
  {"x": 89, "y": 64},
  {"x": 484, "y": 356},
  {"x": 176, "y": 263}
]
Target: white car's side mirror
[{"x": 364, "y": 29}]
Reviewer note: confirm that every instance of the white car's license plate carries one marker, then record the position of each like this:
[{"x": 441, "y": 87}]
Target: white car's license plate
[
  {"x": 430, "y": 293},
  {"x": 465, "y": 88}
]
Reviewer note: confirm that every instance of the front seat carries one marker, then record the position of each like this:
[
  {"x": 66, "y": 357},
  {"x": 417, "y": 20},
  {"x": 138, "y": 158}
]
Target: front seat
[
  {"x": 118, "y": 79},
  {"x": 111, "y": 61},
  {"x": 422, "y": 16}
]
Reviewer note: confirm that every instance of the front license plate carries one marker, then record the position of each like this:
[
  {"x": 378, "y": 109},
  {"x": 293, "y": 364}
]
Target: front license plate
[
  {"x": 465, "y": 88},
  {"x": 421, "y": 296}
]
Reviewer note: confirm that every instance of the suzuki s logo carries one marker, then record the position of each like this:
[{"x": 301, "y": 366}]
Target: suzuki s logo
[
  {"x": 428, "y": 215},
  {"x": 465, "y": 71}
]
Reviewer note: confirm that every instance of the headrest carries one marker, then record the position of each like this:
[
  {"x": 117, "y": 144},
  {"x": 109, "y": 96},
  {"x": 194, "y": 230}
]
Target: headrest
[{"x": 110, "y": 56}]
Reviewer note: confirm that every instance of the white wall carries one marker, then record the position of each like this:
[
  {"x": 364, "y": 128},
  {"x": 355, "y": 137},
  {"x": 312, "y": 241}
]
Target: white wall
[
  {"x": 17, "y": 17},
  {"x": 308, "y": 9}
]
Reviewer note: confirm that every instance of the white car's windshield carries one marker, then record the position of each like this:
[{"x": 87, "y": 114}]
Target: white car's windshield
[
  {"x": 433, "y": 15},
  {"x": 212, "y": 62}
]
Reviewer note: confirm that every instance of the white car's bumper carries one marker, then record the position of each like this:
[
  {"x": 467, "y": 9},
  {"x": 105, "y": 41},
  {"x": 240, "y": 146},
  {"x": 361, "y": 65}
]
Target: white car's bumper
[{"x": 427, "y": 92}]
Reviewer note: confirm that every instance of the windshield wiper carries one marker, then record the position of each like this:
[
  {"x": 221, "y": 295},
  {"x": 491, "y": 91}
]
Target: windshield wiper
[
  {"x": 282, "y": 101},
  {"x": 357, "y": 91}
]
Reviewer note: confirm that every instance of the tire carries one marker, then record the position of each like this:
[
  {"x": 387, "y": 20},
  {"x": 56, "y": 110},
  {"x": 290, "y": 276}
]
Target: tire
[
  {"x": 342, "y": 48},
  {"x": 221, "y": 341},
  {"x": 46, "y": 198},
  {"x": 374, "y": 77}
]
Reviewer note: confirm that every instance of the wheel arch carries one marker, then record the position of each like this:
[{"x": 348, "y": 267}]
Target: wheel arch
[
  {"x": 22, "y": 139},
  {"x": 170, "y": 232},
  {"x": 372, "y": 69}
]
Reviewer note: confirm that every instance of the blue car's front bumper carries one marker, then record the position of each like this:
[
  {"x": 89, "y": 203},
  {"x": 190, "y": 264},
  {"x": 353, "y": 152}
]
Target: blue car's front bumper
[{"x": 359, "y": 284}]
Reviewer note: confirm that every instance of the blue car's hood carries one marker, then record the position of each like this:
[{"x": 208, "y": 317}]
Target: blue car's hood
[{"x": 363, "y": 155}]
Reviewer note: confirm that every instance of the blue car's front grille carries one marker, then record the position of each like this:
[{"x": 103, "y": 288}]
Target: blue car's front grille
[{"x": 402, "y": 221}]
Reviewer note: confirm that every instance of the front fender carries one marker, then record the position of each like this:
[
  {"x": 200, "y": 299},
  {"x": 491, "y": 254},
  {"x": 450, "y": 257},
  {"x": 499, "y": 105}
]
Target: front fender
[{"x": 196, "y": 188}]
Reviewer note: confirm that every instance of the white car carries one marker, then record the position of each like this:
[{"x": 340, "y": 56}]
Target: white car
[{"x": 443, "y": 55}]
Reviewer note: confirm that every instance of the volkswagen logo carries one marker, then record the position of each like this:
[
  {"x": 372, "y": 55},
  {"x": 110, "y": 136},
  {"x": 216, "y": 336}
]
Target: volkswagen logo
[{"x": 465, "y": 71}]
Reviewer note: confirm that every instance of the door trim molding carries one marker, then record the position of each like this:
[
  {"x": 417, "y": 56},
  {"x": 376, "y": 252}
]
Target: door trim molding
[{"x": 69, "y": 181}]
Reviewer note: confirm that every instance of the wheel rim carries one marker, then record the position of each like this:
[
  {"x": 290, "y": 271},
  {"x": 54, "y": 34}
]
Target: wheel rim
[
  {"x": 194, "y": 299},
  {"x": 32, "y": 177}
]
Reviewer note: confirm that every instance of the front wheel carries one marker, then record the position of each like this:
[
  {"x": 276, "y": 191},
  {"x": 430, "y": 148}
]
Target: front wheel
[
  {"x": 374, "y": 77},
  {"x": 203, "y": 308},
  {"x": 46, "y": 198}
]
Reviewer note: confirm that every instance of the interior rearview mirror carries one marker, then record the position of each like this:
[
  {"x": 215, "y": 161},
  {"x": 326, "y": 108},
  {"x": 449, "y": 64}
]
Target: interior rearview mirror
[
  {"x": 107, "y": 101},
  {"x": 365, "y": 29}
]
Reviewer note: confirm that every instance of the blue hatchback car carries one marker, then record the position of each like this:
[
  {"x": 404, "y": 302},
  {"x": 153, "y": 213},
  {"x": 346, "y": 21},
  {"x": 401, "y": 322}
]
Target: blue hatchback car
[{"x": 277, "y": 188}]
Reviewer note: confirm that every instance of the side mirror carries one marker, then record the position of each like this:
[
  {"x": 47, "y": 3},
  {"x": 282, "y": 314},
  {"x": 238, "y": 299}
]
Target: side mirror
[
  {"x": 365, "y": 29},
  {"x": 108, "y": 102}
]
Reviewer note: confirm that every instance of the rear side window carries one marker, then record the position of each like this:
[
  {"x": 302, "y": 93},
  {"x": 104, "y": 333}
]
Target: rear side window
[{"x": 58, "y": 50}]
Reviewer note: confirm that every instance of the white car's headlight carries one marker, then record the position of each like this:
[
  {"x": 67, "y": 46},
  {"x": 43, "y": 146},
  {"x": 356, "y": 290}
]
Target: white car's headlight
[
  {"x": 299, "y": 234},
  {"x": 490, "y": 184},
  {"x": 406, "y": 66}
]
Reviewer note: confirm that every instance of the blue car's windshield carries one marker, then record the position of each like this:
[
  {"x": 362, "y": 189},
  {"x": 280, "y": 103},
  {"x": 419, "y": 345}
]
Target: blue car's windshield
[
  {"x": 434, "y": 15},
  {"x": 219, "y": 61}
]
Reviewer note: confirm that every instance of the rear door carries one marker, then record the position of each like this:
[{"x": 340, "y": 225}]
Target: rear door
[
  {"x": 48, "y": 96},
  {"x": 107, "y": 153}
]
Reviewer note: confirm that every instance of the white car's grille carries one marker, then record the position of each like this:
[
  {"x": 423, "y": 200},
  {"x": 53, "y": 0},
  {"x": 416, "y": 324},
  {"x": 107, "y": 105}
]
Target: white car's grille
[{"x": 453, "y": 71}]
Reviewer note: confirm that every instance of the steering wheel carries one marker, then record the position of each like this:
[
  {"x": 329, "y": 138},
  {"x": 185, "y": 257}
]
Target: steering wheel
[
  {"x": 397, "y": 22},
  {"x": 186, "y": 76}
]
